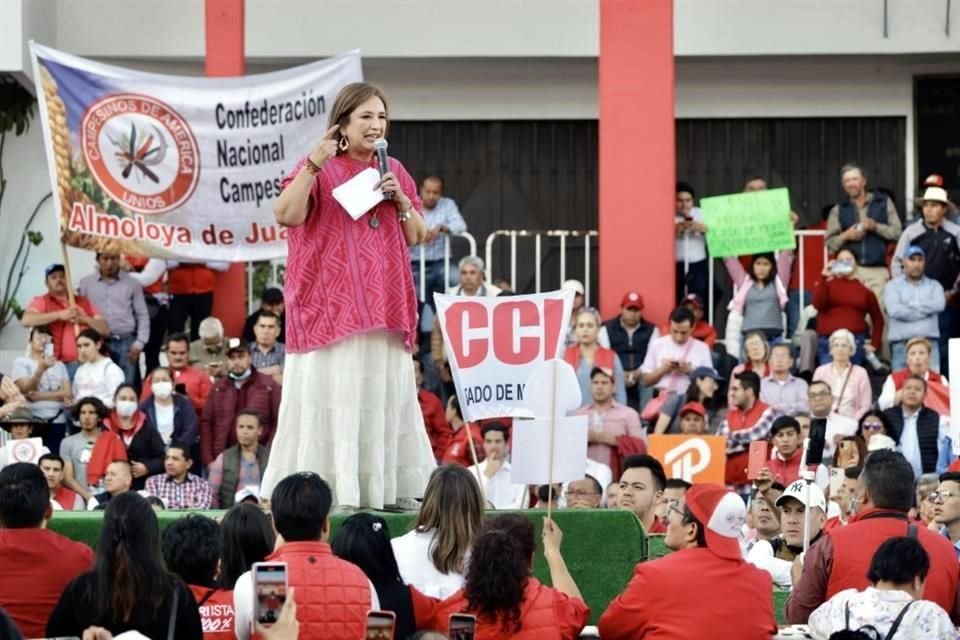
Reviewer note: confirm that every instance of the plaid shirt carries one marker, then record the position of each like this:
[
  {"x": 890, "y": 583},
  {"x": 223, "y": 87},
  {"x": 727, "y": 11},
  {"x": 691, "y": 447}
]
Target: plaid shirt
[
  {"x": 262, "y": 360},
  {"x": 739, "y": 440},
  {"x": 192, "y": 493},
  {"x": 249, "y": 476}
]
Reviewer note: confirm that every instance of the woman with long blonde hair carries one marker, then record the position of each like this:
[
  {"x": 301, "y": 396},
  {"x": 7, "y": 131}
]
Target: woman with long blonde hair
[{"x": 433, "y": 555}]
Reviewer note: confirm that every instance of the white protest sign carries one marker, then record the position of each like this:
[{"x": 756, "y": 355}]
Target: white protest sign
[
  {"x": 494, "y": 344},
  {"x": 530, "y": 458},
  {"x": 838, "y": 425},
  {"x": 26, "y": 450},
  {"x": 552, "y": 391}
]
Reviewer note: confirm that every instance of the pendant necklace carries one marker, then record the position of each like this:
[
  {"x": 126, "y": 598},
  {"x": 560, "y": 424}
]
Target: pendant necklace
[{"x": 374, "y": 220}]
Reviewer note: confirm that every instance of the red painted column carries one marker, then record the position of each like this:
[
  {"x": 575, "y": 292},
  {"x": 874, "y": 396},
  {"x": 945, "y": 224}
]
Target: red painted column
[
  {"x": 637, "y": 154},
  {"x": 225, "y": 57}
]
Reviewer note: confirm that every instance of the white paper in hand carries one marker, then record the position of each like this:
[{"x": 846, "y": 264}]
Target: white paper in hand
[
  {"x": 357, "y": 194},
  {"x": 530, "y": 459},
  {"x": 539, "y": 390}
]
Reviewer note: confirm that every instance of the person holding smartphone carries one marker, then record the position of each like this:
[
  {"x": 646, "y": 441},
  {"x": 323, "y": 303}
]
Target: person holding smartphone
[{"x": 45, "y": 383}]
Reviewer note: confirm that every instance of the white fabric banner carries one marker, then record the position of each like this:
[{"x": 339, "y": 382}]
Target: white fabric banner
[
  {"x": 178, "y": 167},
  {"x": 494, "y": 344}
]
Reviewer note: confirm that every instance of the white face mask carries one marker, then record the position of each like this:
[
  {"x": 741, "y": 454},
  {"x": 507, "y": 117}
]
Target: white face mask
[
  {"x": 162, "y": 390},
  {"x": 126, "y": 408}
]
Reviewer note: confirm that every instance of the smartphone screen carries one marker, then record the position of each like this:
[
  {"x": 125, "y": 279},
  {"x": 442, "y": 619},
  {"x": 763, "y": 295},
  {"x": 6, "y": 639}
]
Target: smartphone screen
[
  {"x": 380, "y": 625},
  {"x": 462, "y": 626},
  {"x": 48, "y": 350},
  {"x": 758, "y": 458},
  {"x": 269, "y": 590}
]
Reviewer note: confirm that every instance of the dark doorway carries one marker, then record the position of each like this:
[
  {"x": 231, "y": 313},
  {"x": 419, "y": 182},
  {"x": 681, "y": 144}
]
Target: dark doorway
[
  {"x": 543, "y": 175},
  {"x": 937, "y": 100}
]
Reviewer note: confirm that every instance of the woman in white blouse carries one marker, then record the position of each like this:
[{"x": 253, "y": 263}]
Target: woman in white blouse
[
  {"x": 433, "y": 556},
  {"x": 898, "y": 571},
  {"x": 98, "y": 376}
]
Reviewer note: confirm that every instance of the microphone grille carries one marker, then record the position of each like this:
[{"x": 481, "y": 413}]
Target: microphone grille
[{"x": 380, "y": 143}]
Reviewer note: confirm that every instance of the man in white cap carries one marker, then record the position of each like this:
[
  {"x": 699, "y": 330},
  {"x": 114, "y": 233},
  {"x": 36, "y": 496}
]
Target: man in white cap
[
  {"x": 702, "y": 530},
  {"x": 777, "y": 556},
  {"x": 940, "y": 240}
]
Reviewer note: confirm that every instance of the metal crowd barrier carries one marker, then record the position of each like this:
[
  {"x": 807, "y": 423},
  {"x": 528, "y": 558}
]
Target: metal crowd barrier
[
  {"x": 278, "y": 266},
  {"x": 800, "y": 257},
  {"x": 537, "y": 236},
  {"x": 471, "y": 241}
]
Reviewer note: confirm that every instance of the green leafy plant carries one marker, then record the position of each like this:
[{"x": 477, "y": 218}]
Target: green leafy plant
[{"x": 16, "y": 112}]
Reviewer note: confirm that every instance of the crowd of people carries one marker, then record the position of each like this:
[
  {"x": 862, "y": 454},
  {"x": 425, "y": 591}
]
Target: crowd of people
[{"x": 132, "y": 398}]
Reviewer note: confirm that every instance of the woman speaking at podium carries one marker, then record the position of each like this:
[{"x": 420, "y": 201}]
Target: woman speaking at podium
[{"x": 349, "y": 410}]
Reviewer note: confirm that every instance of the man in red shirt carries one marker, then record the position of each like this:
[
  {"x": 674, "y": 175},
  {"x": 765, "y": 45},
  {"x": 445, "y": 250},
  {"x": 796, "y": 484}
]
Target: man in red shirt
[
  {"x": 36, "y": 563},
  {"x": 642, "y": 482},
  {"x": 53, "y": 309},
  {"x": 701, "y": 329},
  {"x": 52, "y": 466},
  {"x": 749, "y": 420},
  {"x": 458, "y": 449},
  {"x": 702, "y": 530},
  {"x": 434, "y": 418},
  {"x": 196, "y": 382},
  {"x": 840, "y": 559}
]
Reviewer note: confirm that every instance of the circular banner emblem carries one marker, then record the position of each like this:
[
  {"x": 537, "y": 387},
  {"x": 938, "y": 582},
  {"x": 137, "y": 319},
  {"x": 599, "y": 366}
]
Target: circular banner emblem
[
  {"x": 141, "y": 152},
  {"x": 24, "y": 451}
]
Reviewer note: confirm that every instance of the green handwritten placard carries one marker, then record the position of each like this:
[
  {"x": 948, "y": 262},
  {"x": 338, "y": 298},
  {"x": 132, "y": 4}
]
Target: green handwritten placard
[{"x": 747, "y": 223}]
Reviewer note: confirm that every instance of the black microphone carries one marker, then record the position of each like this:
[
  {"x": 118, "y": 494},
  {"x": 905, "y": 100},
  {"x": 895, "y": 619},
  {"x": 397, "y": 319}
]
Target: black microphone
[{"x": 380, "y": 146}]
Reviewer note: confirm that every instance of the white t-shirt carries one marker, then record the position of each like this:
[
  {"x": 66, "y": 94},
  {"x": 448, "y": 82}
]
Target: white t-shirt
[
  {"x": 691, "y": 244},
  {"x": 499, "y": 491},
  {"x": 243, "y": 604},
  {"x": 98, "y": 379},
  {"x": 164, "y": 421},
  {"x": 51, "y": 380},
  {"x": 416, "y": 567}
]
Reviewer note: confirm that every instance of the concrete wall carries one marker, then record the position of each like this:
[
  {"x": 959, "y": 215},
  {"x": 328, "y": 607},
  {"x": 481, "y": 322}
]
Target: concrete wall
[{"x": 173, "y": 29}]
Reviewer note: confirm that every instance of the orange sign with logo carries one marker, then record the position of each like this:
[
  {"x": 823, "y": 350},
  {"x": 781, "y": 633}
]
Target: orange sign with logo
[{"x": 691, "y": 458}]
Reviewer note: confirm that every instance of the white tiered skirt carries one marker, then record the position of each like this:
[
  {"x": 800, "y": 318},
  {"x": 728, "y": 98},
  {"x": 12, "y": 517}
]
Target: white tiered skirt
[{"x": 349, "y": 412}]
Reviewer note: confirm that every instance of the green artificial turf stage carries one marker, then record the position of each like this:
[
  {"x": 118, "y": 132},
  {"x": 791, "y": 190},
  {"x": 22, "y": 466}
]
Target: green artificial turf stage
[{"x": 600, "y": 547}]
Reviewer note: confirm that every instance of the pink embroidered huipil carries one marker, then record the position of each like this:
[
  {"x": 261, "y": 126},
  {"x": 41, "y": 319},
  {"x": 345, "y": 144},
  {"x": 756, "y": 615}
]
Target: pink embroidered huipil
[{"x": 344, "y": 277}]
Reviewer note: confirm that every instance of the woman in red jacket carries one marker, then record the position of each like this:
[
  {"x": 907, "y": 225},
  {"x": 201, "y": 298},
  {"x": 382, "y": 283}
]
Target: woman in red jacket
[{"x": 507, "y": 601}]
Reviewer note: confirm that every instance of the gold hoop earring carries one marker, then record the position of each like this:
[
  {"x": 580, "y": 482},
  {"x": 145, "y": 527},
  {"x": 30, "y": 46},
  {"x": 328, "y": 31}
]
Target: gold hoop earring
[{"x": 344, "y": 144}]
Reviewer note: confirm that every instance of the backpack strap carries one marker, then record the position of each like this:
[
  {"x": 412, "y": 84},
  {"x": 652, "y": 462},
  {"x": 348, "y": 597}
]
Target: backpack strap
[
  {"x": 206, "y": 597},
  {"x": 896, "y": 623},
  {"x": 912, "y": 531}
]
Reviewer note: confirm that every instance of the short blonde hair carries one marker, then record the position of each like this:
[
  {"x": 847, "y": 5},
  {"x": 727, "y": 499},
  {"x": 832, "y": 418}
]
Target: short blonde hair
[{"x": 912, "y": 342}]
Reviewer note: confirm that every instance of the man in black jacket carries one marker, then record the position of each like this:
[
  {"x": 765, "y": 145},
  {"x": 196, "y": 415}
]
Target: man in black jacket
[
  {"x": 629, "y": 335},
  {"x": 915, "y": 427}
]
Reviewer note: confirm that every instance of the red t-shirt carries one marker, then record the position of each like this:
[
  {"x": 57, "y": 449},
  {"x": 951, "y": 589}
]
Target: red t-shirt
[
  {"x": 435, "y": 420},
  {"x": 458, "y": 451},
  {"x": 216, "y": 612},
  {"x": 657, "y": 526},
  {"x": 657, "y": 603},
  {"x": 64, "y": 338},
  {"x": 812, "y": 259},
  {"x": 544, "y": 613},
  {"x": 35, "y": 566}
]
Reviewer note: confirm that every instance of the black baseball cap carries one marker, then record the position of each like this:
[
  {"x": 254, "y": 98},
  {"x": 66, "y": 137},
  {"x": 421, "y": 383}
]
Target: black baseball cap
[{"x": 53, "y": 269}]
